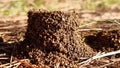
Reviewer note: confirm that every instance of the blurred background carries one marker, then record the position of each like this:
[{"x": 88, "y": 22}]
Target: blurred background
[{"x": 20, "y": 7}]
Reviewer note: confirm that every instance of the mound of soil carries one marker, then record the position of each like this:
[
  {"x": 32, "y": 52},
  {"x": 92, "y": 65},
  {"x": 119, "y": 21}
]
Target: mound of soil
[
  {"x": 51, "y": 39},
  {"x": 54, "y": 39}
]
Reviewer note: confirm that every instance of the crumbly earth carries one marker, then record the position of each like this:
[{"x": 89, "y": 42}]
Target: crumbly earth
[
  {"x": 103, "y": 40},
  {"x": 54, "y": 39},
  {"x": 52, "y": 36}
]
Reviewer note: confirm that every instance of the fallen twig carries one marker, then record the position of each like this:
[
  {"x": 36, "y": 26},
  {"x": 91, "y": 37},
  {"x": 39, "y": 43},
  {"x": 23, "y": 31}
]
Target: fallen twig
[
  {"x": 87, "y": 24},
  {"x": 115, "y": 21},
  {"x": 8, "y": 64},
  {"x": 16, "y": 63},
  {"x": 100, "y": 56},
  {"x": 2, "y": 56},
  {"x": 94, "y": 29},
  {"x": 113, "y": 61}
]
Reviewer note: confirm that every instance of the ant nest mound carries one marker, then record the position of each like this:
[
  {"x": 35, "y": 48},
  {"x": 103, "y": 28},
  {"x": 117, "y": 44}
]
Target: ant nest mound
[{"x": 52, "y": 39}]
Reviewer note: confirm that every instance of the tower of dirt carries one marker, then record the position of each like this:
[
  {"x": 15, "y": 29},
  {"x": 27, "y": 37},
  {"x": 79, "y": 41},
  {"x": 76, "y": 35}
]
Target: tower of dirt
[{"x": 52, "y": 38}]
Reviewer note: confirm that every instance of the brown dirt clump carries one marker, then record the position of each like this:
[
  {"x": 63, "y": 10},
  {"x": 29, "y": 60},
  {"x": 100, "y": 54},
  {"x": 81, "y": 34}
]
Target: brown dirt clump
[
  {"x": 51, "y": 39},
  {"x": 56, "y": 39}
]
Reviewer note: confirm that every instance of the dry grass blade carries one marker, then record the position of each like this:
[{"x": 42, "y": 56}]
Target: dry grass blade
[
  {"x": 100, "y": 56},
  {"x": 2, "y": 56},
  {"x": 93, "y": 29},
  {"x": 114, "y": 21},
  {"x": 87, "y": 24},
  {"x": 8, "y": 65},
  {"x": 5, "y": 33},
  {"x": 106, "y": 65},
  {"x": 117, "y": 22},
  {"x": 12, "y": 26},
  {"x": 113, "y": 61},
  {"x": 15, "y": 63}
]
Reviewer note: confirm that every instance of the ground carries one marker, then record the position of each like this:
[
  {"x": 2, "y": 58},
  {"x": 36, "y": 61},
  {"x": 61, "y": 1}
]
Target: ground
[
  {"x": 101, "y": 35},
  {"x": 98, "y": 33}
]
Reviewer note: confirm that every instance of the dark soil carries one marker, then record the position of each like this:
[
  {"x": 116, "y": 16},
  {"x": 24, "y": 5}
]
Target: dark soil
[
  {"x": 53, "y": 39},
  {"x": 51, "y": 36},
  {"x": 99, "y": 40}
]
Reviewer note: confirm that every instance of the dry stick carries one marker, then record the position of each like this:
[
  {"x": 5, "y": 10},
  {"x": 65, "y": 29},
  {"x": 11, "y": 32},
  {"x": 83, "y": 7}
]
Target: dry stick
[
  {"x": 114, "y": 21},
  {"x": 87, "y": 29},
  {"x": 5, "y": 32},
  {"x": 117, "y": 22},
  {"x": 4, "y": 58},
  {"x": 100, "y": 56},
  {"x": 10, "y": 27},
  {"x": 13, "y": 65},
  {"x": 88, "y": 24},
  {"x": 7, "y": 64},
  {"x": 17, "y": 65},
  {"x": 114, "y": 60},
  {"x": 79, "y": 28},
  {"x": 106, "y": 65},
  {"x": 94, "y": 29},
  {"x": 99, "y": 53}
]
